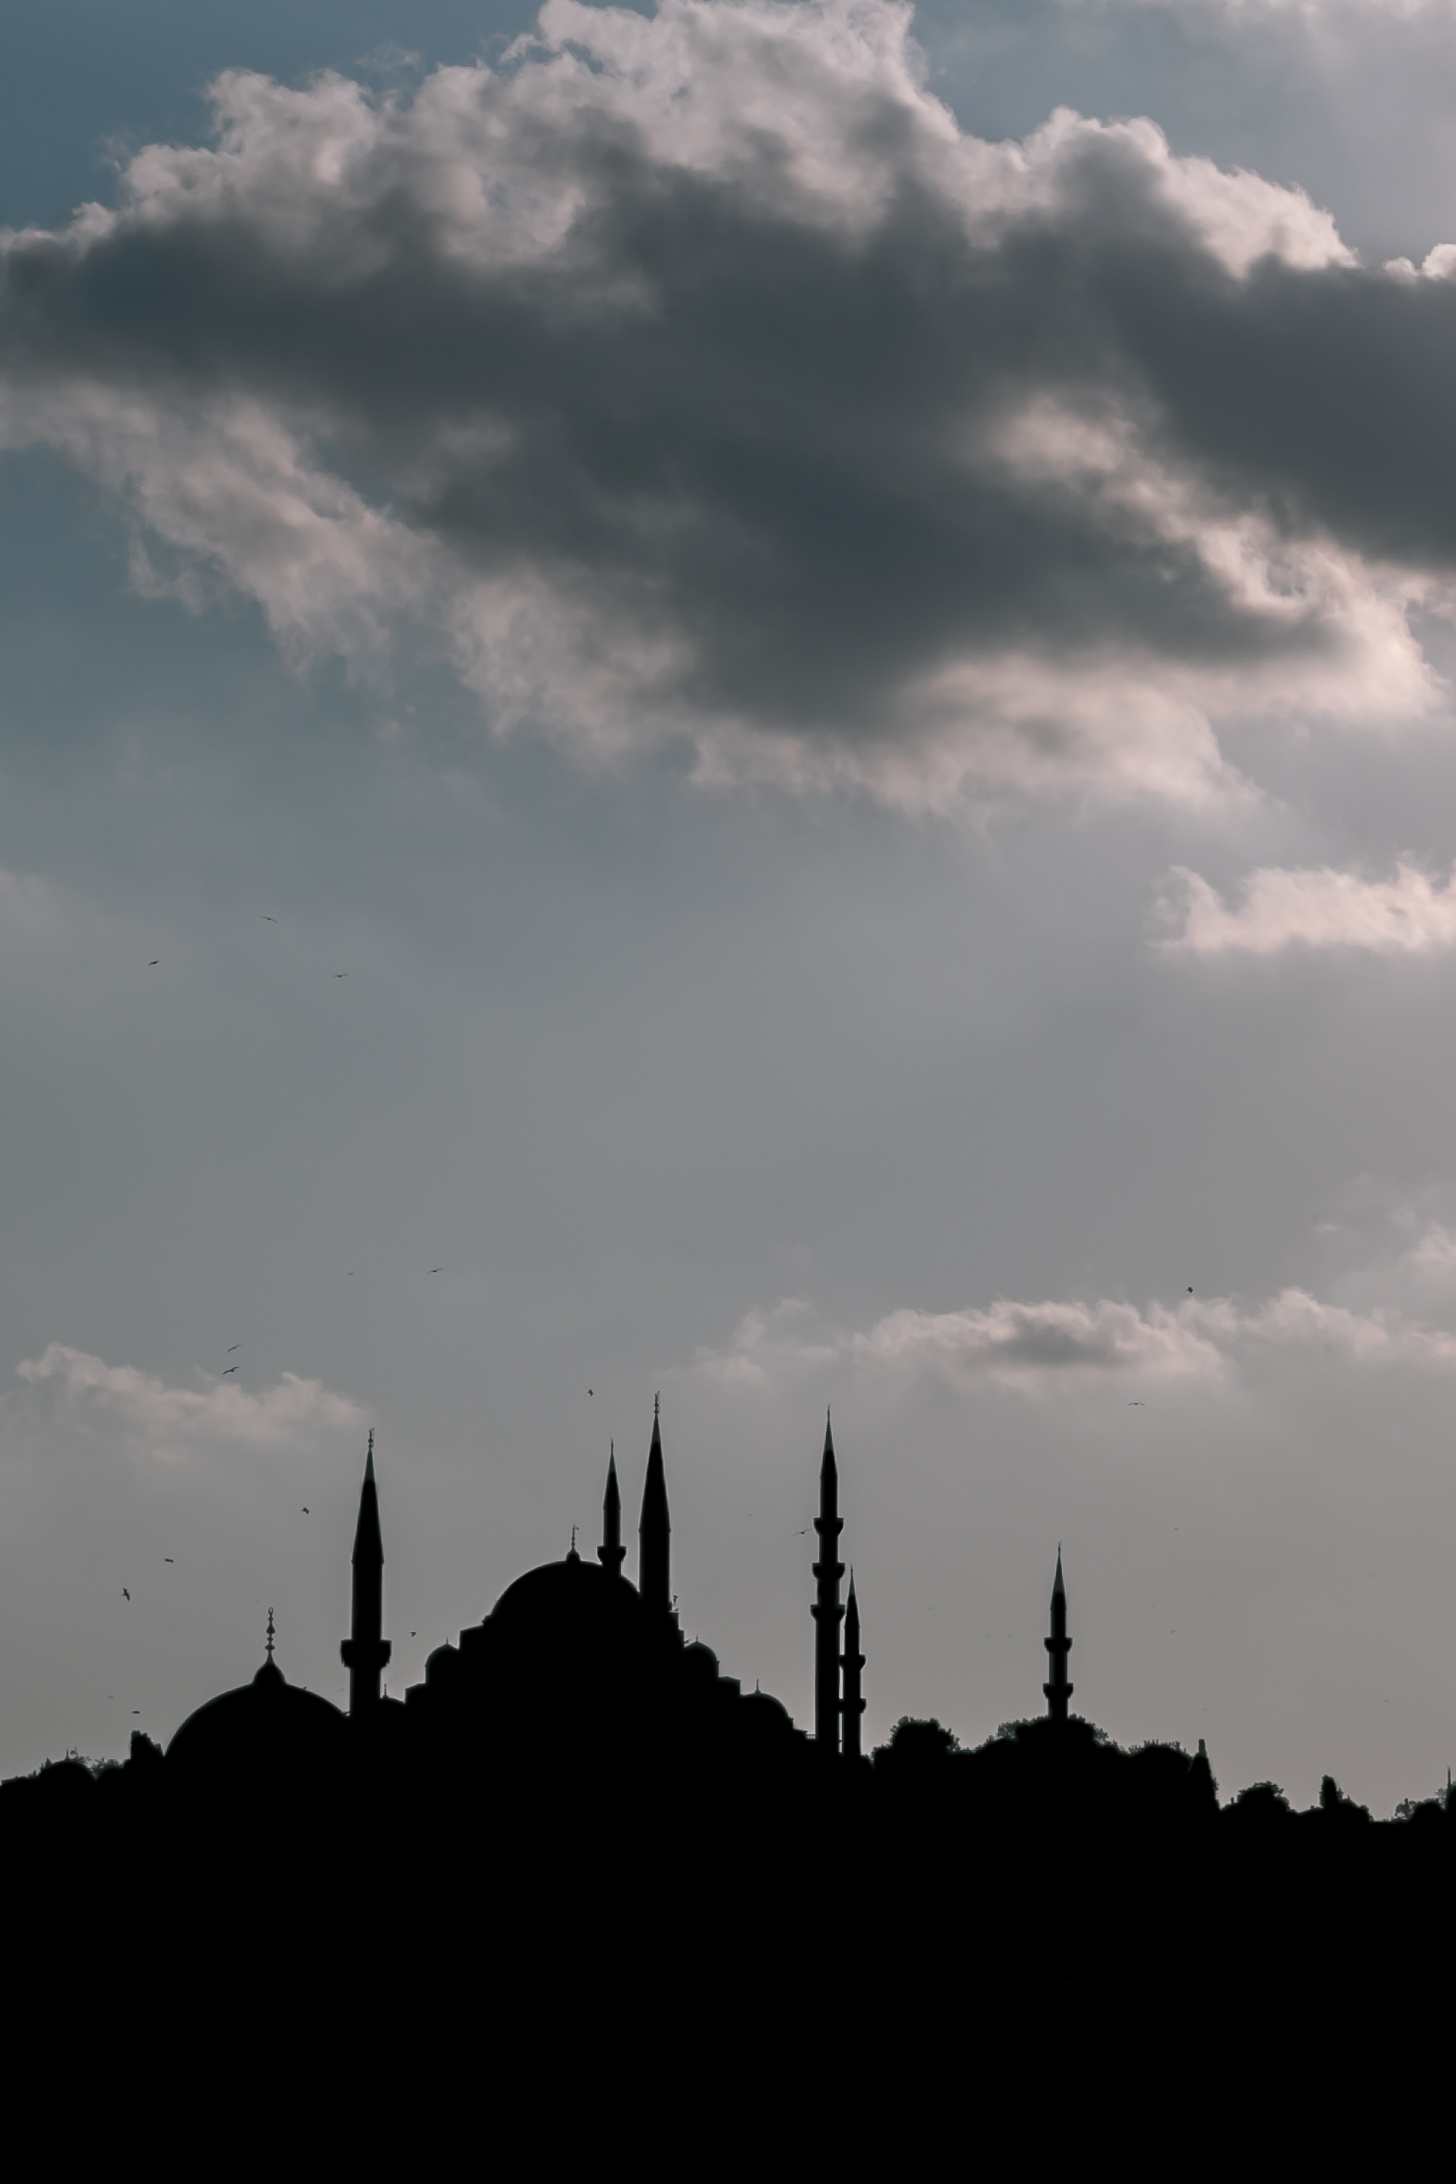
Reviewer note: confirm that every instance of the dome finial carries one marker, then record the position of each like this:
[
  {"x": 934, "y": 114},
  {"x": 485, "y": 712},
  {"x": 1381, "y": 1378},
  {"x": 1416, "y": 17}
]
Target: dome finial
[{"x": 270, "y": 1634}]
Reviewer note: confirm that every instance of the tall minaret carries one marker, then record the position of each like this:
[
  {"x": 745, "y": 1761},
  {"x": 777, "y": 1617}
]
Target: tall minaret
[
  {"x": 366, "y": 1649},
  {"x": 827, "y": 1611},
  {"x": 654, "y": 1530},
  {"x": 612, "y": 1553},
  {"x": 851, "y": 1706},
  {"x": 1059, "y": 1645}
]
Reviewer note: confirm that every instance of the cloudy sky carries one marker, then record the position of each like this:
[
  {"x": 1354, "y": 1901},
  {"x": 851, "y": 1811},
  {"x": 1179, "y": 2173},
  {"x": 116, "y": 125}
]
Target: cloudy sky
[{"x": 754, "y": 699}]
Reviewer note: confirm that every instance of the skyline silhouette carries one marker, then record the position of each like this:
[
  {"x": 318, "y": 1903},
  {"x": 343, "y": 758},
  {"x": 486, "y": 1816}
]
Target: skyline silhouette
[{"x": 575, "y": 1666}]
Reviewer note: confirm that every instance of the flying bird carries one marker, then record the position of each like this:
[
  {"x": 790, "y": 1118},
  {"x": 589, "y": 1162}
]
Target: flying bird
[
  {"x": 305, "y": 1512},
  {"x": 136, "y": 1709},
  {"x": 228, "y": 1369},
  {"x": 231, "y": 1347},
  {"x": 1190, "y": 1289},
  {"x": 591, "y": 1391},
  {"x": 156, "y": 959},
  {"x": 341, "y": 974},
  {"x": 414, "y": 1634},
  {"x": 166, "y": 1558},
  {"x": 125, "y": 1594},
  {"x": 267, "y": 920},
  {"x": 436, "y": 1270}
]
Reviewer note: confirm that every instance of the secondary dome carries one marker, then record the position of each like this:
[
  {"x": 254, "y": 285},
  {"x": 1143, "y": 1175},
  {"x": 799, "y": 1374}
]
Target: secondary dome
[{"x": 267, "y": 1727}]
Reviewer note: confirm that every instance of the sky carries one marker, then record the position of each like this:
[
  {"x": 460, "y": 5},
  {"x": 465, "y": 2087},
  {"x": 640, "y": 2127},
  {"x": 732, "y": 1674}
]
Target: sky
[{"x": 751, "y": 701}]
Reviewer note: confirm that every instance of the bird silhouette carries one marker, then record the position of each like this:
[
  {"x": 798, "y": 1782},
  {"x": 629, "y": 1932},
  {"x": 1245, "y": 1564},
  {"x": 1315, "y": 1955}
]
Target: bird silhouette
[
  {"x": 1190, "y": 1289},
  {"x": 125, "y": 1594},
  {"x": 167, "y": 1558},
  {"x": 591, "y": 1391},
  {"x": 436, "y": 1270},
  {"x": 267, "y": 920},
  {"x": 414, "y": 1634},
  {"x": 305, "y": 1511},
  {"x": 228, "y": 1369},
  {"x": 156, "y": 959},
  {"x": 341, "y": 974},
  {"x": 231, "y": 1347}
]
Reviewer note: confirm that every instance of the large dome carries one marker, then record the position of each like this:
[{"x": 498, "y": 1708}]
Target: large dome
[
  {"x": 568, "y": 1625},
  {"x": 569, "y": 1596},
  {"x": 266, "y": 1727}
]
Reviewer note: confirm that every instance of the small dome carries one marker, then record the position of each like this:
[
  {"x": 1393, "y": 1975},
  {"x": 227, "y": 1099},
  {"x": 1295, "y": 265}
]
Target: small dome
[
  {"x": 766, "y": 1718},
  {"x": 700, "y": 1663}
]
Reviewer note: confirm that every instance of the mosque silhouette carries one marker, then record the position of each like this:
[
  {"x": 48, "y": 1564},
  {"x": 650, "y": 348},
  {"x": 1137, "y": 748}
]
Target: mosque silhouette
[
  {"x": 643, "y": 1694},
  {"x": 577, "y": 1676},
  {"x": 577, "y": 1859}
]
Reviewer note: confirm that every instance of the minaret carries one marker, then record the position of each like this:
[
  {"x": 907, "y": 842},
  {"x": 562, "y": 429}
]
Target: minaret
[
  {"x": 851, "y": 1706},
  {"x": 366, "y": 1649},
  {"x": 827, "y": 1611},
  {"x": 612, "y": 1553},
  {"x": 1059, "y": 1645},
  {"x": 654, "y": 1529}
]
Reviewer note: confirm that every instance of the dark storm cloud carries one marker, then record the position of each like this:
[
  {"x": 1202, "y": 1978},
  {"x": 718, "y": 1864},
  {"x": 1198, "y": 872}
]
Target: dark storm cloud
[{"x": 722, "y": 386}]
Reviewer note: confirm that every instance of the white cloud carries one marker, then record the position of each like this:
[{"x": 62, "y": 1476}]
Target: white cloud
[
  {"x": 1317, "y": 907},
  {"x": 142, "y": 1411},
  {"x": 1037, "y": 1348}
]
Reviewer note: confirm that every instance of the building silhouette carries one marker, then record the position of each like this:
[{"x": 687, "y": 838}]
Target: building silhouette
[{"x": 574, "y": 1663}]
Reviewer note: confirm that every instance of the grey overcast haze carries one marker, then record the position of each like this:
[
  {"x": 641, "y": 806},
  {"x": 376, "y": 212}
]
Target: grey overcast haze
[{"x": 755, "y": 700}]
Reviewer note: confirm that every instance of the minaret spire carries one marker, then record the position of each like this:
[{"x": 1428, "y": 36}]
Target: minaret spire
[
  {"x": 1059, "y": 1645},
  {"x": 611, "y": 1554},
  {"x": 366, "y": 1649},
  {"x": 851, "y": 1706},
  {"x": 654, "y": 1528},
  {"x": 827, "y": 1611}
]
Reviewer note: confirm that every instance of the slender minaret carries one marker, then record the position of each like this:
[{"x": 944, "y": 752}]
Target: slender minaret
[
  {"x": 612, "y": 1553},
  {"x": 1059, "y": 1645},
  {"x": 654, "y": 1529},
  {"x": 828, "y": 1614},
  {"x": 851, "y": 1706},
  {"x": 366, "y": 1649}
]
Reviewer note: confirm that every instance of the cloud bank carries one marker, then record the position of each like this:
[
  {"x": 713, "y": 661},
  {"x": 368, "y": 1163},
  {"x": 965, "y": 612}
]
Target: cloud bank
[
  {"x": 1037, "y": 1348},
  {"x": 699, "y": 378},
  {"x": 141, "y": 1411},
  {"x": 1314, "y": 908}
]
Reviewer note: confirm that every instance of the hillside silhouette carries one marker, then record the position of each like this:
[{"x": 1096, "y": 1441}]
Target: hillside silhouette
[{"x": 578, "y": 1851}]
